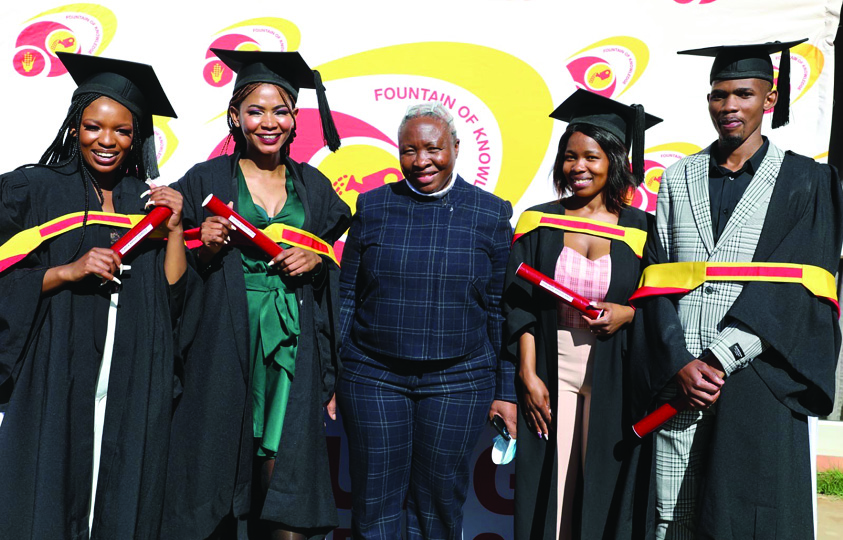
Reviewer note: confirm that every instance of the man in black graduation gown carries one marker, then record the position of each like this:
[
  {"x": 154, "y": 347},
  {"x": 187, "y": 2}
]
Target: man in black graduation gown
[{"x": 753, "y": 358}]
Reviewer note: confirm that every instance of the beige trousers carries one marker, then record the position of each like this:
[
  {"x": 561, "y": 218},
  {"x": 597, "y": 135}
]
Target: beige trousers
[{"x": 573, "y": 400}]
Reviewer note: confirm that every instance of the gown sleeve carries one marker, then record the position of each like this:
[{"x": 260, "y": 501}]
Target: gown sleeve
[
  {"x": 20, "y": 285},
  {"x": 335, "y": 222}
]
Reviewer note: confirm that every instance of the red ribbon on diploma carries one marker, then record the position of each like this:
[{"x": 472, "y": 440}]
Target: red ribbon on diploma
[
  {"x": 655, "y": 419},
  {"x": 576, "y": 301},
  {"x": 255, "y": 235},
  {"x": 136, "y": 234}
]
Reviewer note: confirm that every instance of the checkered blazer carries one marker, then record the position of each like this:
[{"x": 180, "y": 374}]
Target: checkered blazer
[
  {"x": 683, "y": 222},
  {"x": 422, "y": 278}
]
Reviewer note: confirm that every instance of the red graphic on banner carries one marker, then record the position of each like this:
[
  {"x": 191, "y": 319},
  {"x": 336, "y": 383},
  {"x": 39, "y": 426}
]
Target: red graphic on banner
[
  {"x": 73, "y": 28},
  {"x": 38, "y": 40},
  {"x": 645, "y": 196},
  {"x": 259, "y": 34},
  {"x": 694, "y": 1},
  {"x": 215, "y": 72},
  {"x": 610, "y": 66},
  {"x": 594, "y": 74},
  {"x": 485, "y": 488},
  {"x": 656, "y": 160}
]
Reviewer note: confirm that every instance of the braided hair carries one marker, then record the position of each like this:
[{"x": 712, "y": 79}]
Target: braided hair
[{"x": 65, "y": 149}]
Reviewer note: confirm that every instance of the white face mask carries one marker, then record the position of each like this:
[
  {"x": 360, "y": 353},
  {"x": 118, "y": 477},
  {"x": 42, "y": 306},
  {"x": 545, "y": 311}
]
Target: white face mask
[{"x": 503, "y": 451}]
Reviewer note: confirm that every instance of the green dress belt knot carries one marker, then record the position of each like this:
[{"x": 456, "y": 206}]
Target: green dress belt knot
[{"x": 274, "y": 326}]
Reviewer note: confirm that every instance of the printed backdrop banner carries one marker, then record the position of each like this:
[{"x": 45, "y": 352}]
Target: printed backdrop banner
[{"x": 499, "y": 66}]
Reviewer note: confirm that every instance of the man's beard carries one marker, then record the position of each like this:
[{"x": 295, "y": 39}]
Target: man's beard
[{"x": 730, "y": 141}]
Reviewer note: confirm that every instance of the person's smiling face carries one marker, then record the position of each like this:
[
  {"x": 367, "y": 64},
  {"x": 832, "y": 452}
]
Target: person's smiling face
[
  {"x": 585, "y": 166},
  {"x": 265, "y": 120},
  {"x": 105, "y": 137},
  {"x": 427, "y": 153}
]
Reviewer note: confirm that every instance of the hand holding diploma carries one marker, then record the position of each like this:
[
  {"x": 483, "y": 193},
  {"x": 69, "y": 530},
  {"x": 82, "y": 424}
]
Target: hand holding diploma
[
  {"x": 214, "y": 233},
  {"x": 231, "y": 220},
  {"x": 105, "y": 262},
  {"x": 576, "y": 301},
  {"x": 699, "y": 385}
]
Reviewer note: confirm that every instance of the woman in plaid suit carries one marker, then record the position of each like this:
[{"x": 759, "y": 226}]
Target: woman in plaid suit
[{"x": 421, "y": 281}]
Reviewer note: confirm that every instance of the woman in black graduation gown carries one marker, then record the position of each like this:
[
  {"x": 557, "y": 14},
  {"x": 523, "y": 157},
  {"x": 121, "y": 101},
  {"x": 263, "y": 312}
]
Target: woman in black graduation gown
[
  {"x": 265, "y": 362},
  {"x": 67, "y": 462},
  {"x": 572, "y": 368}
]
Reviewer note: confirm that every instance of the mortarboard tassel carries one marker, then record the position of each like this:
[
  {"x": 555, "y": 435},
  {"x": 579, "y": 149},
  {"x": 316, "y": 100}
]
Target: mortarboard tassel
[
  {"x": 148, "y": 154},
  {"x": 781, "y": 112},
  {"x": 329, "y": 129},
  {"x": 637, "y": 140}
]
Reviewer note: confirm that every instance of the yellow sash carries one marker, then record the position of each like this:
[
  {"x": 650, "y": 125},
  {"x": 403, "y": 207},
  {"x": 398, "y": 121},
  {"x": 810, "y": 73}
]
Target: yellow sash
[
  {"x": 278, "y": 233},
  {"x": 300, "y": 238},
  {"x": 24, "y": 242},
  {"x": 683, "y": 277},
  {"x": 531, "y": 220}
]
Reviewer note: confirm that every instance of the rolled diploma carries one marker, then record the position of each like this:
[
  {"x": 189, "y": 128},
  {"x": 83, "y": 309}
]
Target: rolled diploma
[
  {"x": 655, "y": 419},
  {"x": 576, "y": 301},
  {"x": 255, "y": 235},
  {"x": 136, "y": 234}
]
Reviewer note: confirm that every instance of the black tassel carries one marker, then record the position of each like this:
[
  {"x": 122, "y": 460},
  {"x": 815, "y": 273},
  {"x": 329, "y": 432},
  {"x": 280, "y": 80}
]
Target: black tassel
[
  {"x": 637, "y": 141},
  {"x": 781, "y": 112},
  {"x": 149, "y": 156},
  {"x": 329, "y": 129}
]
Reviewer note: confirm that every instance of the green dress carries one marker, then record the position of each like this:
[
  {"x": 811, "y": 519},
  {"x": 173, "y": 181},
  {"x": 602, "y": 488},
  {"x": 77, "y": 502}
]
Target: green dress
[{"x": 273, "y": 321}]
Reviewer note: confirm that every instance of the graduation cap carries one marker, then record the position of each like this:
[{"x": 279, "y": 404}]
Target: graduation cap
[
  {"x": 626, "y": 122},
  {"x": 287, "y": 70},
  {"x": 753, "y": 62},
  {"x": 133, "y": 85}
]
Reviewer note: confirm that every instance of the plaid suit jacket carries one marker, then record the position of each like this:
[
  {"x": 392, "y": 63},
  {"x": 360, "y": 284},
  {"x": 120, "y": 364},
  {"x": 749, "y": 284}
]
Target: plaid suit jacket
[
  {"x": 422, "y": 278},
  {"x": 683, "y": 222}
]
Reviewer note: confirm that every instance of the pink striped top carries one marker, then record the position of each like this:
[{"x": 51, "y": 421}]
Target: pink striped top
[{"x": 584, "y": 276}]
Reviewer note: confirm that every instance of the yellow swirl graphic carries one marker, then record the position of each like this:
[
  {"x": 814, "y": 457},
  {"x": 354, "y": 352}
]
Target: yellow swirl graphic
[
  {"x": 520, "y": 100},
  {"x": 106, "y": 18},
  {"x": 815, "y": 60},
  {"x": 162, "y": 124},
  {"x": 287, "y": 28}
]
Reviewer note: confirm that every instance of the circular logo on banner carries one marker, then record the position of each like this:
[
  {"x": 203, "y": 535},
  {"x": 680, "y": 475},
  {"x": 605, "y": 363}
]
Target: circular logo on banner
[
  {"x": 74, "y": 28},
  {"x": 261, "y": 34},
  {"x": 610, "y": 66},
  {"x": 165, "y": 139},
  {"x": 806, "y": 65},
  {"x": 656, "y": 160}
]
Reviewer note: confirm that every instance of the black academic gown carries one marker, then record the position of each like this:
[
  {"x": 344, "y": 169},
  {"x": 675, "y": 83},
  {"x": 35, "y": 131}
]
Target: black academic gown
[
  {"x": 757, "y": 481},
  {"x": 210, "y": 469},
  {"x": 50, "y": 354},
  {"x": 528, "y": 309}
]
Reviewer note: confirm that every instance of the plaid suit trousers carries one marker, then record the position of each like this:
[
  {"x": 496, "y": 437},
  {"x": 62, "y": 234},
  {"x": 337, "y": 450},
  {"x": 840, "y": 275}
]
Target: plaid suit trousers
[{"x": 412, "y": 426}]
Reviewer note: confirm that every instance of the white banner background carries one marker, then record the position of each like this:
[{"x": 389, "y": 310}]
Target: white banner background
[{"x": 501, "y": 66}]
